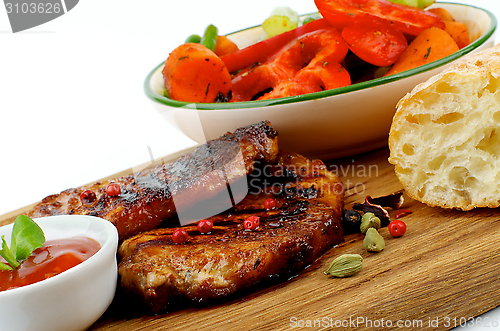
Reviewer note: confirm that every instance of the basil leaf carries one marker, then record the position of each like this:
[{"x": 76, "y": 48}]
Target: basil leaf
[
  {"x": 7, "y": 254},
  {"x": 26, "y": 237}
]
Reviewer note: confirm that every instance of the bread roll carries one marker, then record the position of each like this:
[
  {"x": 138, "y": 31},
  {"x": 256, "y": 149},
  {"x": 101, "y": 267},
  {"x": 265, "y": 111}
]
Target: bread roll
[{"x": 445, "y": 136}]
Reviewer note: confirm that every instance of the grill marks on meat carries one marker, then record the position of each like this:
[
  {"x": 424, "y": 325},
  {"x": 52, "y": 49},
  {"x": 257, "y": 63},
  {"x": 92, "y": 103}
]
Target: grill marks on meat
[
  {"x": 147, "y": 196},
  {"x": 304, "y": 225}
]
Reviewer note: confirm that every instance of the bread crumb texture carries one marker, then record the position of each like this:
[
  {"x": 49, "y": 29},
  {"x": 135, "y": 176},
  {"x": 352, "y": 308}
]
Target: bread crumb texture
[{"x": 445, "y": 136}]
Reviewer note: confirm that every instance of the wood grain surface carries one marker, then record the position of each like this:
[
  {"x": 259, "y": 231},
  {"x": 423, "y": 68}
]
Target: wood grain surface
[{"x": 442, "y": 272}]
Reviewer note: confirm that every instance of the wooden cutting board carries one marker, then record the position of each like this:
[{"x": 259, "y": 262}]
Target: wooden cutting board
[{"x": 444, "y": 271}]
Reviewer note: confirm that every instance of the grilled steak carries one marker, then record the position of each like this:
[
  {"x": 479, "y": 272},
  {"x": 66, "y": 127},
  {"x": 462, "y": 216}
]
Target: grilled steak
[
  {"x": 304, "y": 224},
  {"x": 156, "y": 194}
]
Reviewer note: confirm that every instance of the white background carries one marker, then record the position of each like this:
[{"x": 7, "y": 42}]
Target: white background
[{"x": 72, "y": 105}]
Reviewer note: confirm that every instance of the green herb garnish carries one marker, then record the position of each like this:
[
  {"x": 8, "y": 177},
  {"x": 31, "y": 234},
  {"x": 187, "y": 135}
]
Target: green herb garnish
[
  {"x": 26, "y": 237},
  {"x": 428, "y": 53}
]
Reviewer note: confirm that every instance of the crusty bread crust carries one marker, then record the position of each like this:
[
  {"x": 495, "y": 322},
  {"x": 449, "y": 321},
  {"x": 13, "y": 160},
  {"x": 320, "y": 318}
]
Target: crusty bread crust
[{"x": 445, "y": 136}]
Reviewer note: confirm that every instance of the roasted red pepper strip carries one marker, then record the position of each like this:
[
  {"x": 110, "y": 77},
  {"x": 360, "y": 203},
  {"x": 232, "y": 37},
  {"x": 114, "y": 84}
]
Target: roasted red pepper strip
[
  {"x": 307, "y": 64},
  {"x": 409, "y": 20},
  {"x": 377, "y": 43},
  {"x": 258, "y": 52}
]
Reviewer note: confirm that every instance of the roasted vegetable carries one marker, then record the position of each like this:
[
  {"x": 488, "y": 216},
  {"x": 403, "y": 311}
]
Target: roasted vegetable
[
  {"x": 408, "y": 20},
  {"x": 414, "y": 3},
  {"x": 431, "y": 45},
  {"x": 193, "y": 73},
  {"x": 194, "y": 38},
  {"x": 459, "y": 32},
  {"x": 209, "y": 38},
  {"x": 224, "y": 46},
  {"x": 282, "y": 19},
  {"x": 258, "y": 52},
  {"x": 377, "y": 43}
]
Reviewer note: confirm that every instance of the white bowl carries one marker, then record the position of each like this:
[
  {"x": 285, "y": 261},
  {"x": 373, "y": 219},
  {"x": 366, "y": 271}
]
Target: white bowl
[
  {"x": 74, "y": 299},
  {"x": 329, "y": 124}
]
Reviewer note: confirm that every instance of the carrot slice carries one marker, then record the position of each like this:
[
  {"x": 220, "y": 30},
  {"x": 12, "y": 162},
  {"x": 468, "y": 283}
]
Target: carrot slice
[
  {"x": 441, "y": 13},
  {"x": 225, "y": 46},
  {"x": 193, "y": 73},
  {"x": 459, "y": 32},
  {"x": 431, "y": 45}
]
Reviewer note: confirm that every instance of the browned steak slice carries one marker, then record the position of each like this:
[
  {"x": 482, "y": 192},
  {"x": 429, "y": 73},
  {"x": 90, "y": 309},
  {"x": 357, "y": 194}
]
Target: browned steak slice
[
  {"x": 305, "y": 223},
  {"x": 147, "y": 197}
]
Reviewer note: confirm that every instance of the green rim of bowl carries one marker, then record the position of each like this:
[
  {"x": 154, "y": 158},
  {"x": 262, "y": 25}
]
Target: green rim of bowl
[{"x": 323, "y": 94}]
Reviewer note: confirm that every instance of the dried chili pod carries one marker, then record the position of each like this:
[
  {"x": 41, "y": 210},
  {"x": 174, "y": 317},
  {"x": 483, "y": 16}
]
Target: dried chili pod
[
  {"x": 377, "y": 210},
  {"x": 394, "y": 200}
]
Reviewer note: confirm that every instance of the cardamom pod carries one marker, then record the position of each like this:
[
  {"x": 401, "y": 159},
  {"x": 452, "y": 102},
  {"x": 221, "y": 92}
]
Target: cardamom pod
[
  {"x": 373, "y": 241},
  {"x": 369, "y": 220},
  {"x": 345, "y": 265}
]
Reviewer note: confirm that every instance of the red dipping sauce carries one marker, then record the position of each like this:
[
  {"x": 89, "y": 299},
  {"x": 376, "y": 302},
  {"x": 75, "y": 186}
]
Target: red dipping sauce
[{"x": 54, "y": 257}]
